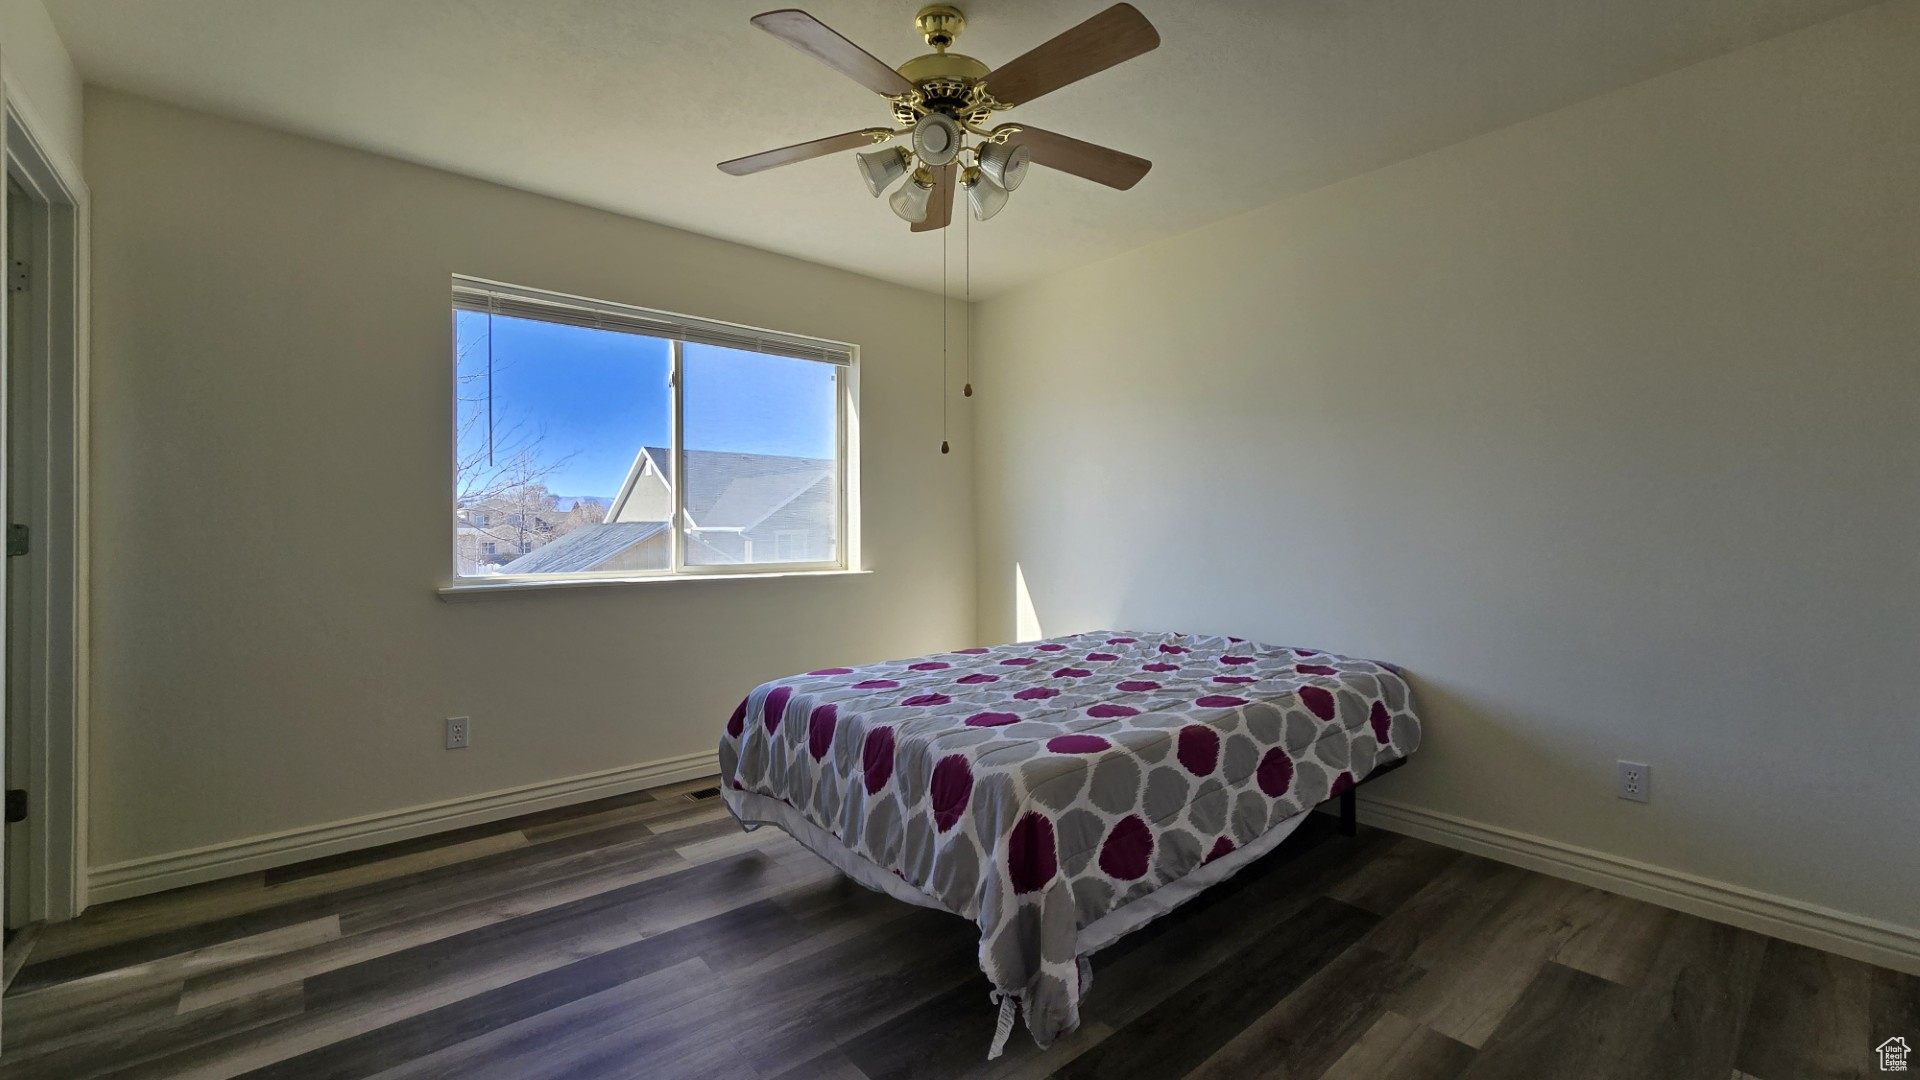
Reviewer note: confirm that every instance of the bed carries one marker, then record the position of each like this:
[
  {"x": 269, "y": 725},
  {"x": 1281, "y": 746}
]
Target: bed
[{"x": 1060, "y": 793}]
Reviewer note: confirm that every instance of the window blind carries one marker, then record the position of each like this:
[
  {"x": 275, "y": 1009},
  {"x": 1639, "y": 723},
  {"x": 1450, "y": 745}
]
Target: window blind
[{"x": 481, "y": 296}]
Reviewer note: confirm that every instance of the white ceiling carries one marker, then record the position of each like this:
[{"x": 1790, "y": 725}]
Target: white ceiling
[{"x": 627, "y": 104}]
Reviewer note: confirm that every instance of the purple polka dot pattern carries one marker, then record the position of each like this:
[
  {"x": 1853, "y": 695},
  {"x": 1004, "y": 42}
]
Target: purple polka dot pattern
[
  {"x": 1077, "y": 744},
  {"x": 1318, "y": 702},
  {"x": 820, "y": 730},
  {"x": 774, "y": 709},
  {"x": 1031, "y": 861},
  {"x": 1199, "y": 749},
  {"x": 1127, "y": 849},
  {"x": 1275, "y": 773},
  {"x": 995, "y": 788},
  {"x": 949, "y": 791},
  {"x": 876, "y": 759}
]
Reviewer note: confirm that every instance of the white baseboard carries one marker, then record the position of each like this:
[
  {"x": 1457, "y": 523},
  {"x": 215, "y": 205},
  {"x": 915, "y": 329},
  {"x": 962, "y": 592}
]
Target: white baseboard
[
  {"x": 153, "y": 873},
  {"x": 1871, "y": 940}
]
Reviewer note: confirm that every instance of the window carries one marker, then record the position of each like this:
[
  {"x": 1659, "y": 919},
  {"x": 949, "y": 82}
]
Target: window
[{"x": 595, "y": 440}]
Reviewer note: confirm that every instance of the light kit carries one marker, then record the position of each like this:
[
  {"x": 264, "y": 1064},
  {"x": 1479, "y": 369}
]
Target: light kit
[
  {"x": 1005, "y": 165},
  {"x": 910, "y": 202},
  {"x": 880, "y": 168},
  {"x": 984, "y": 197}
]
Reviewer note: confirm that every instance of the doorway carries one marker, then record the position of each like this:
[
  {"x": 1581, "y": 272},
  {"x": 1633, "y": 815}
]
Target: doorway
[{"x": 42, "y": 438}]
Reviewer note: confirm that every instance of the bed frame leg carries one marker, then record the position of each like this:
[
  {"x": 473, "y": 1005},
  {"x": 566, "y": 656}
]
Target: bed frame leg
[{"x": 1349, "y": 814}]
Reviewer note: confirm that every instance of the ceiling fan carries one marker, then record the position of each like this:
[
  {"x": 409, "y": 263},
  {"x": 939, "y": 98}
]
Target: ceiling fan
[{"x": 943, "y": 103}]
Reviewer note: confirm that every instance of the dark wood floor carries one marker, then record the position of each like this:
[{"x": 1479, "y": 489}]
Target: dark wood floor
[{"x": 645, "y": 936}]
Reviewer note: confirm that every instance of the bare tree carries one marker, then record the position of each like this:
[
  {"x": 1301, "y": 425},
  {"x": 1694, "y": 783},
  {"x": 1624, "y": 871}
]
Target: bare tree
[{"x": 501, "y": 466}]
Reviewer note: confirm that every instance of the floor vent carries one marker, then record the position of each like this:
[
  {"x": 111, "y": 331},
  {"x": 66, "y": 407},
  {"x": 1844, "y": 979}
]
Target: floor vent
[{"x": 702, "y": 795}]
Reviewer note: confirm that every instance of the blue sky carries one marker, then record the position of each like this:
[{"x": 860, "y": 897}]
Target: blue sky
[{"x": 601, "y": 396}]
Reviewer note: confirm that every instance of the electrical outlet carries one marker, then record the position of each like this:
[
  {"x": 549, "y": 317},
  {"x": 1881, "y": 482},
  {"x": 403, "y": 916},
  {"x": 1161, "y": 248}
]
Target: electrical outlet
[
  {"x": 1636, "y": 781},
  {"x": 456, "y": 733}
]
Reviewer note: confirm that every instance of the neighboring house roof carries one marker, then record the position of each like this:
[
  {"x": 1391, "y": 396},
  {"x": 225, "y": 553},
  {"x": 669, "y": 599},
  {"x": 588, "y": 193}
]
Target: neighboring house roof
[
  {"x": 746, "y": 501},
  {"x": 727, "y": 490},
  {"x": 585, "y": 548}
]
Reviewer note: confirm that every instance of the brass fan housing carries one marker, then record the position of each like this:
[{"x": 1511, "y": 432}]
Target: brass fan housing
[
  {"x": 943, "y": 66},
  {"x": 939, "y": 24},
  {"x": 944, "y": 81}
]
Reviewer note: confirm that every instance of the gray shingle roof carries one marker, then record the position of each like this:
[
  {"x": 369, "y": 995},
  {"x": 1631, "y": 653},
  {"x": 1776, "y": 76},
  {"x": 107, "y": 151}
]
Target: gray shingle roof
[
  {"x": 585, "y": 548},
  {"x": 729, "y": 490}
]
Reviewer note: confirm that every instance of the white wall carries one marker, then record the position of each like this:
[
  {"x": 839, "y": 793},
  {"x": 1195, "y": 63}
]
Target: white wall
[
  {"x": 271, "y": 392},
  {"x": 1607, "y": 425},
  {"x": 41, "y": 77}
]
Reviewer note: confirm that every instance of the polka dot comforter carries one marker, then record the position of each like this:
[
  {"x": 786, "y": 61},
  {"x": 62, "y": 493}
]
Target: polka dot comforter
[{"x": 1037, "y": 787}]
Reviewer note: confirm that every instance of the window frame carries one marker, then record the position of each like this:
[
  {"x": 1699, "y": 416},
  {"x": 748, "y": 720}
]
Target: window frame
[{"x": 846, "y": 450}]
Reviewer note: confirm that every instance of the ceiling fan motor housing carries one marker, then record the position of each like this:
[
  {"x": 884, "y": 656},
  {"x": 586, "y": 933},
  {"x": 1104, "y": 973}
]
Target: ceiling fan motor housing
[
  {"x": 945, "y": 80},
  {"x": 940, "y": 24}
]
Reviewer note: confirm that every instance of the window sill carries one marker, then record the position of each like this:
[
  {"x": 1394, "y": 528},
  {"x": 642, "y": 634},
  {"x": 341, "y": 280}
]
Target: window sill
[{"x": 462, "y": 593}]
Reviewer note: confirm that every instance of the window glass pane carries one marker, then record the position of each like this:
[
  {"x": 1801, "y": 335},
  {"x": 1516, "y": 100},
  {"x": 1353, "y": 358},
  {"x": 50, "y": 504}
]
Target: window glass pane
[
  {"x": 561, "y": 466},
  {"x": 762, "y": 472}
]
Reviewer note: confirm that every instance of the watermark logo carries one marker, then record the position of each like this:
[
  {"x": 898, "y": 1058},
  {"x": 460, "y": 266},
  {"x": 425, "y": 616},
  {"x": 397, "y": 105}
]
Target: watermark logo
[{"x": 1893, "y": 1054}]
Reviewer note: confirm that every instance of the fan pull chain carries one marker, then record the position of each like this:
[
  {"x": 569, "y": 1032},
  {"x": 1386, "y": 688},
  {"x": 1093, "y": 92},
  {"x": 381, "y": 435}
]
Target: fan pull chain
[
  {"x": 966, "y": 244},
  {"x": 943, "y": 341}
]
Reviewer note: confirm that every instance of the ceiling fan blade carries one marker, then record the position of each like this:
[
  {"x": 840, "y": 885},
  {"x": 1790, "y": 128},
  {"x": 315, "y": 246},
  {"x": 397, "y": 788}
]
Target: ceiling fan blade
[
  {"x": 787, "y": 155},
  {"x": 820, "y": 41},
  {"x": 940, "y": 206},
  {"x": 1117, "y": 34},
  {"x": 1090, "y": 160}
]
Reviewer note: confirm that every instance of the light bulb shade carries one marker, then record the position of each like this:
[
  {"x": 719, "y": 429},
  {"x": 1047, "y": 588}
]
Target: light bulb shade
[
  {"x": 936, "y": 139},
  {"x": 880, "y": 168},
  {"x": 910, "y": 202},
  {"x": 1005, "y": 165},
  {"x": 985, "y": 196}
]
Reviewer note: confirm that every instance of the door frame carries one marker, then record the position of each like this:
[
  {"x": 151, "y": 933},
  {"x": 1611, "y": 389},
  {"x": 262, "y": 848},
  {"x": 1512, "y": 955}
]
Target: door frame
[{"x": 53, "y": 730}]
